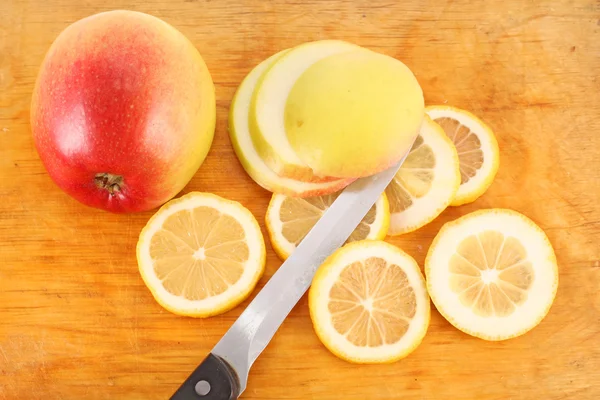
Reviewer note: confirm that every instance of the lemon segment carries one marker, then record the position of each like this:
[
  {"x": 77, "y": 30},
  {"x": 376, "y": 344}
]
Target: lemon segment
[
  {"x": 492, "y": 274},
  {"x": 426, "y": 182},
  {"x": 477, "y": 150},
  {"x": 201, "y": 255},
  {"x": 289, "y": 219},
  {"x": 368, "y": 303}
]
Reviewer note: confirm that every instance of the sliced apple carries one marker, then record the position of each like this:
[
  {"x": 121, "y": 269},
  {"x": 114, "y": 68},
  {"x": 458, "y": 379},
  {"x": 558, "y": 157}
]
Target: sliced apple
[
  {"x": 267, "y": 109},
  {"x": 244, "y": 147},
  {"x": 351, "y": 114}
]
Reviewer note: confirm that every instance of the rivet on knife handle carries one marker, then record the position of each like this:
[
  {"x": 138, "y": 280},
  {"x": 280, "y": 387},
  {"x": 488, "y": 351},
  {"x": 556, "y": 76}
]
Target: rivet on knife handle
[{"x": 213, "y": 379}]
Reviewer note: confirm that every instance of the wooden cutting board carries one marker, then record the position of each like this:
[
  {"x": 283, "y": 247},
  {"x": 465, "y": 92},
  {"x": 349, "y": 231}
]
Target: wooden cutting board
[{"x": 77, "y": 322}]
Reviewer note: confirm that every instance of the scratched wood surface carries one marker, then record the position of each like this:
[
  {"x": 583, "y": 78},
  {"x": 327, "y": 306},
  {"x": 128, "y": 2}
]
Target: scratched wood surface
[{"x": 76, "y": 321}]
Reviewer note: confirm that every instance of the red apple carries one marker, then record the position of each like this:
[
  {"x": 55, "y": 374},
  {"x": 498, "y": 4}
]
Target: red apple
[{"x": 123, "y": 111}]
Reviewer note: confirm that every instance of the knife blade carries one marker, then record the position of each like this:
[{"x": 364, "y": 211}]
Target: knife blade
[{"x": 223, "y": 374}]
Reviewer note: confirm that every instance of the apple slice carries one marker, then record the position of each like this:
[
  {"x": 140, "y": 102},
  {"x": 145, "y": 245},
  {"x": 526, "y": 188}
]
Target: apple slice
[
  {"x": 353, "y": 114},
  {"x": 244, "y": 147},
  {"x": 267, "y": 109}
]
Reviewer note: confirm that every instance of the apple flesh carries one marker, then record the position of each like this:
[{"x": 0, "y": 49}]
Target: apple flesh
[
  {"x": 123, "y": 111},
  {"x": 255, "y": 166},
  {"x": 267, "y": 109}
]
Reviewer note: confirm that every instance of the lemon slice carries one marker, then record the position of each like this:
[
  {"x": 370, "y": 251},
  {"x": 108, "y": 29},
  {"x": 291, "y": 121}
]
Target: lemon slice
[
  {"x": 289, "y": 219},
  {"x": 426, "y": 183},
  {"x": 368, "y": 303},
  {"x": 239, "y": 132},
  {"x": 477, "y": 150},
  {"x": 492, "y": 274},
  {"x": 201, "y": 255}
]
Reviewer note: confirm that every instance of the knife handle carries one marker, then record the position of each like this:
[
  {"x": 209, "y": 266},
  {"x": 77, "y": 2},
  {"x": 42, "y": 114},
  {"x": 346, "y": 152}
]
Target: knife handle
[{"x": 213, "y": 379}]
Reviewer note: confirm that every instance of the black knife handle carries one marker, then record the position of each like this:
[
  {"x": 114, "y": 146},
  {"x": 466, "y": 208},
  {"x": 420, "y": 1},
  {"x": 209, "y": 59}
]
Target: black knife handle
[{"x": 213, "y": 379}]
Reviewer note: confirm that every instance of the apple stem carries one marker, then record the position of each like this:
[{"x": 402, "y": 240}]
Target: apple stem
[{"x": 110, "y": 182}]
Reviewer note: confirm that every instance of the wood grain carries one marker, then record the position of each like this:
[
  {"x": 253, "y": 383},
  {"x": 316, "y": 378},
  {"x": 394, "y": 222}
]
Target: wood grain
[{"x": 76, "y": 321}]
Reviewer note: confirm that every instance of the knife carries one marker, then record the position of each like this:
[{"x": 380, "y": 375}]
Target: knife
[{"x": 224, "y": 372}]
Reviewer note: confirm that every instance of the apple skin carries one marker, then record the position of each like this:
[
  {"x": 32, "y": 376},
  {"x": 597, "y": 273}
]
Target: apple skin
[
  {"x": 354, "y": 114},
  {"x": 123, "y": 111}
]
